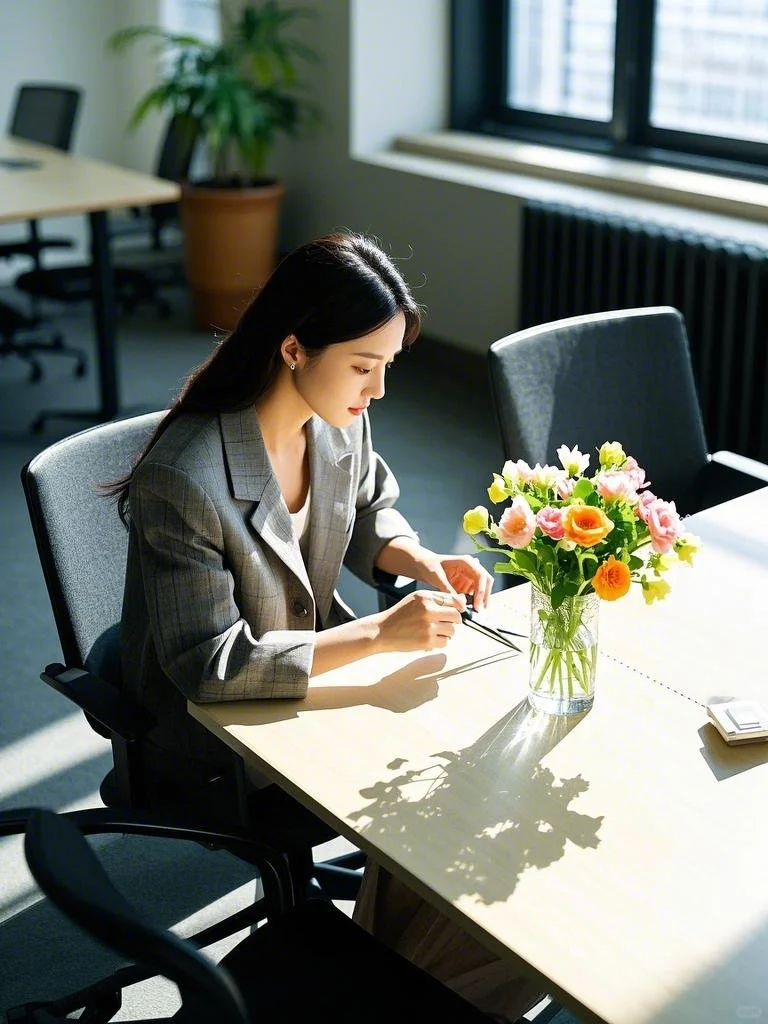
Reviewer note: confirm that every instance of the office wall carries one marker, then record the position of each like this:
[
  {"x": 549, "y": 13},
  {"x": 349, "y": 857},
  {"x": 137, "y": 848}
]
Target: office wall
[
  {"x": 65, "y": 41},
  {"x": 383, "y": 70}
]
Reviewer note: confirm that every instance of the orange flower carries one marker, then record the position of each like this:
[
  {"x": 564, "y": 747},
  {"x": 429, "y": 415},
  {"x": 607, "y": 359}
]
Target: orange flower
[
  {"x": 586, "y": 524},
  {"x": 612, "y": 579}
]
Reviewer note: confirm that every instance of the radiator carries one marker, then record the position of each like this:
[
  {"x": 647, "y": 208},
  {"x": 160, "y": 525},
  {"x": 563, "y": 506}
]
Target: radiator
[{"x": 578, "y": 261}]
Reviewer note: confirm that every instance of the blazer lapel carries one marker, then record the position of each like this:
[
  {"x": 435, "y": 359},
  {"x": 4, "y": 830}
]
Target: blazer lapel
[
  {"x": 332, "y": 510},
  {"x": 252, "y": 479}
]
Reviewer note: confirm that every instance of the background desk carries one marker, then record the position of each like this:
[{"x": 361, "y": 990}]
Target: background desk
[
  {"x": 620, "y": 856},
  {"x": 50, "y": 183}
]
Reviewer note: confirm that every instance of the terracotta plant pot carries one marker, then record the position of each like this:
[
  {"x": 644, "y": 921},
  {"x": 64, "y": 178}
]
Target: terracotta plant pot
[{"x": 230, "y": 246}]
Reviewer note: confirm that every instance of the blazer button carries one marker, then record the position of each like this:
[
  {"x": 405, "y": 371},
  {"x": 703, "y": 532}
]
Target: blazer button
[{"x": 300, "y": 609}]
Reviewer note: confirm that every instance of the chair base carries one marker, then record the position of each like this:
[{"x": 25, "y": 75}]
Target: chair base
[
  {"x": 16, "y": 326},
  {"x": 134, "y": 287},
  {"x": 346, "y": 975}
]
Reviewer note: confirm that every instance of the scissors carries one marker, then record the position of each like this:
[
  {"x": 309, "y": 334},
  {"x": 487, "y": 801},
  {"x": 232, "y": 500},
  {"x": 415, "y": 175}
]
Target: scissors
[{"x": 469, "y": 617}]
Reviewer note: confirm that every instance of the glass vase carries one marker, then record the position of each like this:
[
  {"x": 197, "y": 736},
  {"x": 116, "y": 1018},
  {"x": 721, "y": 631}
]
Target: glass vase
[{"x": 563, "y": 653}]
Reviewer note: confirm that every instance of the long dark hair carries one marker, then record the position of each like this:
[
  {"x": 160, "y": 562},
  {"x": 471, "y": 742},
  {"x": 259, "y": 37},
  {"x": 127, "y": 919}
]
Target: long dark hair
[{"x": 333, "y": 289}]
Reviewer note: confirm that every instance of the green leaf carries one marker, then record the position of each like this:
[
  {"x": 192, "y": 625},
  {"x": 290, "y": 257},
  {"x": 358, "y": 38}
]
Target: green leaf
[
  {"x": 509, "y": 569},
  {"x": 242, "y": 93},
  {"x": 583, "y": 489},
  {"x": 525, "y": 560},
  {"x": 559, "y": 593}
]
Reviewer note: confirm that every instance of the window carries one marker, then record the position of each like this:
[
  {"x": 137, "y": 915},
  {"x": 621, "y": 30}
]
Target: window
[
  {"x": 677, "y": 81},
  {"x": 198, "y": 17}
]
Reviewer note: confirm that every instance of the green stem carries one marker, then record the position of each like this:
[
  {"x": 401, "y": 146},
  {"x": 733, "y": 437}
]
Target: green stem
[{"x": 563, "y": 649}]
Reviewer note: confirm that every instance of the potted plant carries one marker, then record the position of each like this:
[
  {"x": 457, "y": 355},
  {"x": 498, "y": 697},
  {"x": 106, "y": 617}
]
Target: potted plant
[{"x": 238, "y": 96}]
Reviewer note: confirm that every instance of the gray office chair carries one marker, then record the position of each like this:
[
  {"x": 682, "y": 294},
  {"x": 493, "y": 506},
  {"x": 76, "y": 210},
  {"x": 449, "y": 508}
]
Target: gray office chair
[
  {"x": 82, "y": 546},
  {"x": 308, "y": 962},
  {"x": 623, "y": 376},
  {"x": 47, "y": 114}
]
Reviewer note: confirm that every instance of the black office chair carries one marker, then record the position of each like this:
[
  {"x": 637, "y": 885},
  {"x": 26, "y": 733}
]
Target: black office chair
[
  {"x": 625, "y": 376},
  {"x": 143, "y": 269},
  {"x": 47, "y": 114},
  {"x": 174, "y": 157},
  {"x": 308, "y": 962},
  {"x": 82, "y": 547}
]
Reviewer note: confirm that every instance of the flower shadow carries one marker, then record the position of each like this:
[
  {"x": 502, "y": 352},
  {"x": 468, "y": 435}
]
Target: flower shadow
[{"x": 495, "y": 802}]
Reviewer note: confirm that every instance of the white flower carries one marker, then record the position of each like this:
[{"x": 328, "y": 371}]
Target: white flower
[
  {"x": 516, "y": 474},
  {"x": 544, "y": 477},
  {"x": 572, "y": 460}
]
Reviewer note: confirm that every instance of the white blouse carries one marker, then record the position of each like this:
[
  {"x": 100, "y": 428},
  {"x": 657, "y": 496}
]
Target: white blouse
[{"x": 300, "y": 519}]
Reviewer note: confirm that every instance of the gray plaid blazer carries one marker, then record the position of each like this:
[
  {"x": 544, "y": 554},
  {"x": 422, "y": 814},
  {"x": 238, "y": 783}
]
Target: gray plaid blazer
[{"x": 218, "y": 603}]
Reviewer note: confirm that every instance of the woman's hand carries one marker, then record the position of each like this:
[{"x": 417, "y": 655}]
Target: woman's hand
[
  {"x": 452, "y": 574},
  {"x": 422, "y": 621},
  {"x": 459, "y": 574}
]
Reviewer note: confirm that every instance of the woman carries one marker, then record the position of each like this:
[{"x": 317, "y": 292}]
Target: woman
[{"x": 259, "y": 483}]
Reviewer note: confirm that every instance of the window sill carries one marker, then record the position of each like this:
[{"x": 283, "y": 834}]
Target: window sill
[{"x": 691, "y": 199}]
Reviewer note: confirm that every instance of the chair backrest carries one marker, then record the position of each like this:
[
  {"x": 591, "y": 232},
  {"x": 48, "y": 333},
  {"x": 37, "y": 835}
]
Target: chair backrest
[
  {"x": 71, "y": 875},
  {"x": 624, "y": 375},
  {"x": 45, "y": 113},
  {"x": 177, "y": 148},
  {"x": 81, "y": 541}
]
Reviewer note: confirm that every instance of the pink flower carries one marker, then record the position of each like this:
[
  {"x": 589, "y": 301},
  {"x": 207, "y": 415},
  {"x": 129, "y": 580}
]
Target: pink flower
[
  {"x": 636, "y": 473},
  {"x": 646, "y": 499},
  {"x": 550, "y": 522},
  {"x": 518, "y": 524},
  {"x": 615, "y": 485},
  {"x": 663, "y": 525}
]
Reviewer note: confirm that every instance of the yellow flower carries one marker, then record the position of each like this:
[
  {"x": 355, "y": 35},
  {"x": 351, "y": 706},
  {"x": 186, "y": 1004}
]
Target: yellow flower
[
  {"x": 476, "y": 520},
  {"x": 686, "y": 546},
  {"x": 661, "y": 563},
  {"x": 654, "y": 590},
  {"x": 498, "y": 490},
  {"x": 611, "y": 455}
]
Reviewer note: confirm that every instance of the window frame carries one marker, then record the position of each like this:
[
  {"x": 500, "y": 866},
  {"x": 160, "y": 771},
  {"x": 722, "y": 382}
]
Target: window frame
[{"x": 478, "y": 43}]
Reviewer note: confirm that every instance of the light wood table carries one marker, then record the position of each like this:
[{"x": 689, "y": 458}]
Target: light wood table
[
  {"x": 708, "y": 637},
  {"x": 37, "y": 181},
  {"x": 620, "y": 856}
]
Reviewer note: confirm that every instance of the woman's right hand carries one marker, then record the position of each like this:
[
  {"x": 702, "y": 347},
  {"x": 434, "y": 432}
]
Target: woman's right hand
[{"x": 422, "y": 621}]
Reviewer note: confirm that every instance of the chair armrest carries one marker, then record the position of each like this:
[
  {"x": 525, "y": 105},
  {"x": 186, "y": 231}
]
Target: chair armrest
[
  {"x": 742, "y": 464},
  {"x": 728, "y": 475},
  {"x": 393, "y": 589},
  {"x": 104, "y": 705}
]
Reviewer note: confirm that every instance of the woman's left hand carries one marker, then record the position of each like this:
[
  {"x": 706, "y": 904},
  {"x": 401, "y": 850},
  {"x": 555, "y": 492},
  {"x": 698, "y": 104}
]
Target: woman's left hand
[
  {"x": 461, "y": 574},
  {"x": 453, "y": 574}
]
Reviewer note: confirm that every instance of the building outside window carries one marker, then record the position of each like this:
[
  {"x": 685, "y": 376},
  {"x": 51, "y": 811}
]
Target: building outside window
[{"x": 667, "y": 78}]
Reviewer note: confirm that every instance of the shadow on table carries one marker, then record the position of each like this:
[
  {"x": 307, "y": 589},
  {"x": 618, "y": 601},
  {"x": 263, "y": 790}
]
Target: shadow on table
[
  {"x": 725, "y": 761},
  {"x": 504, "y": 805}
]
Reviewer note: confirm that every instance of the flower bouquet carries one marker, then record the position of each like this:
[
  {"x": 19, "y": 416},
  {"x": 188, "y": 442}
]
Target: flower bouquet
[{"x": 578, "y": 539}]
